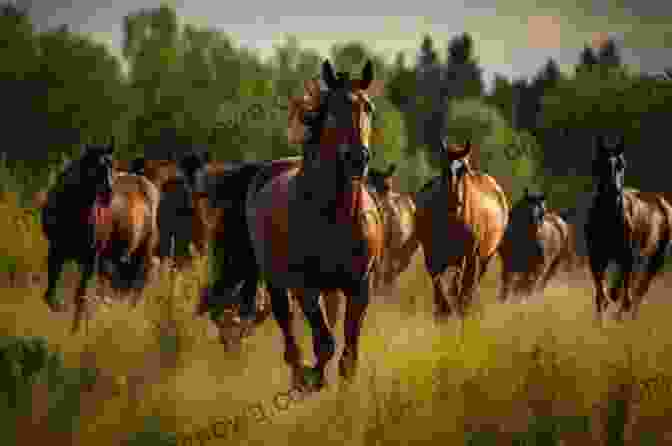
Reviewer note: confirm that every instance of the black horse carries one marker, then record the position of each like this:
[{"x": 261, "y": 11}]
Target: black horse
[
  {"x": 630, "y": 228},
  {"x": 82, "y": 193}
]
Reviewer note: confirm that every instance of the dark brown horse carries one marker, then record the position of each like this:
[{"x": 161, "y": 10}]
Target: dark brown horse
[
  {"x": 315, "y": 228},
  {"x": 633, "y": 229},
  {"x": 91, "y": 218},
  {"x": 461, "y": 219},
  {"x": 220, "y": 190},
  {"x": 401, "y": 241},
  {"x": 536, "y": 243}
]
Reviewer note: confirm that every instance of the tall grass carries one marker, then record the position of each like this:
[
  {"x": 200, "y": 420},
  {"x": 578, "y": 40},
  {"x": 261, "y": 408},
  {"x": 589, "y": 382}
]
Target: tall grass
[{"x": 538, "y": 374}]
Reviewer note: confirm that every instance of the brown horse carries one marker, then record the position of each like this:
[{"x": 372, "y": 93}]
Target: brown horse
[
  {"x": 401, "y": 241},
  {"x": 92, "y": 218},
  {"x": 461, "y": 219},
  {"x": 536, "y": 243},
  {"x": 219, "y": 193},
  {"x": 315, "y": 228},
  {"x": 631, "y": 228},
  {"x": 178, "y": 221}
]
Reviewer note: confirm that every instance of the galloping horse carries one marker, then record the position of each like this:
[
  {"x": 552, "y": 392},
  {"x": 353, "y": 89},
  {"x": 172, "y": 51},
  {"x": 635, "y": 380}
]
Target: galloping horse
[
  {"x": 177, "y": 219},
  {"x": 401, "y": 241},
  {"x": 315, "y": 227},
  {"x": 234, "y": 299},
  {"x": 461, "y": 218},
  {"x": 535, "y": 245},
  {"x": 88, "y": 217},
  {"x": 628, "y": 227}
]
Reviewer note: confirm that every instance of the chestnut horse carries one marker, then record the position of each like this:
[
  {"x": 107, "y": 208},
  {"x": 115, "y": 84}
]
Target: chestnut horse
[
  {"x": 91, "y": 218},
  {"x": 315, "y": 227},
  {"x": 461, "y": 219},
  {"x": 536, "y": 243},
  {"x": 631, "y": 228},
  {"x": 401, "y": 241}
]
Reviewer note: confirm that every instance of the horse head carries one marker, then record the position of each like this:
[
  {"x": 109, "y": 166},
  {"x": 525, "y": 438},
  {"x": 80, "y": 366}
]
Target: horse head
[
  {"x": 609, "y": 166},
  {"x": 534, "y": 206},
  {"x": 454, "y": 165},
  {"x": 96, "y": 172},
  {"x": 339, "y": 124}
]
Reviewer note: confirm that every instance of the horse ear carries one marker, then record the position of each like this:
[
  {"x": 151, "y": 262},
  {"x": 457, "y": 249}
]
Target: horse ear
[
  {"x": 109, "y": 150},
  {"x": 467, "y": 148},
  {"x": 527, "y": 192},
  {"x": 367, "y": 75},
  {"x": 620, "y": 148},
  {"x": 444, "y": 145},
  {"x": 329, "y": 76},
  {"x": 206, "y": 156}
]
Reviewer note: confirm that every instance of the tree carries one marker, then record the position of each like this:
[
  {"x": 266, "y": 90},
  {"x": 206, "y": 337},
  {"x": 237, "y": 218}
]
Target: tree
[
  {"x": 587, "y": 60},
  {"x": 462, "y": 77},
  {"x": 609, "y": 55}
]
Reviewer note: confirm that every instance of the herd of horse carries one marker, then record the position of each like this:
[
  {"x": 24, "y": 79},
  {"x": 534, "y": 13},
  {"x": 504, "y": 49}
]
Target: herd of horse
[{"x": 308, "y": 227}]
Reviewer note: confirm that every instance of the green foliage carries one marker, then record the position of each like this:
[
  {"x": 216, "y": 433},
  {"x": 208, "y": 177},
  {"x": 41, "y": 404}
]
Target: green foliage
[
  {"x": 389, "y": 124},
  {"x": 152, "y": 435},
  {"x": 27, "y": 361}
]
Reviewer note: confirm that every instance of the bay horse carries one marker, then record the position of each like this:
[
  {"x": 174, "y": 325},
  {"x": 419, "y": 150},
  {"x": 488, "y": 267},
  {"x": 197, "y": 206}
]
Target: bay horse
[
  {"x": 461, "y": 218},
  {"x": 401, "y": 241},
  {"x": 235, "y": 300},
  {"x": 315, "y": 227},
  {"x": 536, "y": 244},
  {"x": 631, "y": 228},
  {"x": 91, "y": 218}
]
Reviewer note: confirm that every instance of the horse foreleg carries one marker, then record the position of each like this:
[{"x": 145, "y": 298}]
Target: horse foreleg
[
  {"x": 55, "y": 262},
  {"x": 283, "y": 315},
  {"x": 87, "y": 267},
  {"x": 358, "y": 299},
  {"x": 598, "y": 274},
  {"x": 324, "y": 345}
]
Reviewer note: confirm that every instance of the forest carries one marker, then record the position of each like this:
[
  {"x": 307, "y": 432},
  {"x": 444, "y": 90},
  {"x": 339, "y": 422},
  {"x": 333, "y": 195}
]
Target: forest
[{"x": 179, "y": 87}]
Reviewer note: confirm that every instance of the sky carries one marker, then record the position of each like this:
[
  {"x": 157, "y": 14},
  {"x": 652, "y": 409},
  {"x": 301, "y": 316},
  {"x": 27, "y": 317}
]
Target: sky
[{"x": 512, "y": 37}]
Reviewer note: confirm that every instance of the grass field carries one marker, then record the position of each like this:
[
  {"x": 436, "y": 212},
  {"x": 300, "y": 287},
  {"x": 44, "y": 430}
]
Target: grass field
[{"x": 535, "y": 374}]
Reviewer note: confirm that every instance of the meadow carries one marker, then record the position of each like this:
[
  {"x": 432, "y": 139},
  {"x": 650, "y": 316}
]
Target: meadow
[{"x": 539, "y": 373}]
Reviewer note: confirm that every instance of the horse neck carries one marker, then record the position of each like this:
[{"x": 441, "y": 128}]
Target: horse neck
[{"x": 609, "y": 202}]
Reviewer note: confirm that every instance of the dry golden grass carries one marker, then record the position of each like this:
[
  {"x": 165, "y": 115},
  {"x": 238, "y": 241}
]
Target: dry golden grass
[{"x": 416, "y": 384}]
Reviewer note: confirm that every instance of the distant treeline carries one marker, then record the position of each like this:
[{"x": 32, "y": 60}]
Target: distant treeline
[{"x": 191, "y": 86}]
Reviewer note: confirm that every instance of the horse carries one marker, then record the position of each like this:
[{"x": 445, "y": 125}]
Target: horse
[
  {"x": 177, "y": 219},
  {"x": 233, "y": 303},
  {"x": 536, "y": 243},
  {"x": 117, "y": 218},
  {"x": 628, "y": 227},
  {"x": 401, "y": 241},
  {"x": 315, "y": 227},
  {"x": 461, "y": 218}
]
